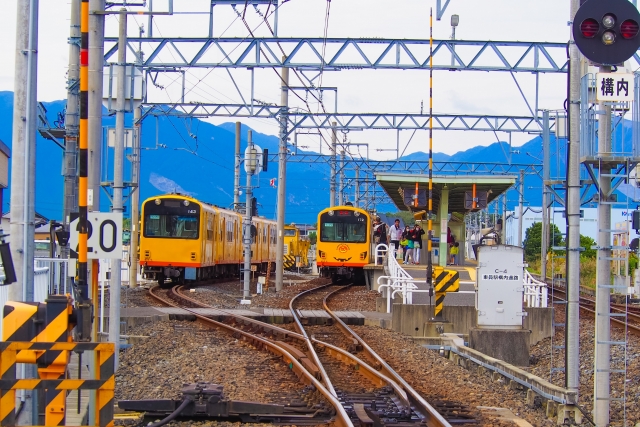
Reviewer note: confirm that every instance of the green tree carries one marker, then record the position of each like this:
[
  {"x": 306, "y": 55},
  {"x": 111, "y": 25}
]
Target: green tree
[
  {"x": 586, "y": 243},
  {"x": 533, "y": 240},
  {"x": 313, "y": 237},
  {"x": 407, "y": 217}
]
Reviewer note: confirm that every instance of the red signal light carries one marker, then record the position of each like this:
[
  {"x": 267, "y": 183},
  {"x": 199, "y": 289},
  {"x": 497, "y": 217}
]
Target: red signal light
[
  {"x": 589, "y": 28},
  {"x": 629, "y": 29}
]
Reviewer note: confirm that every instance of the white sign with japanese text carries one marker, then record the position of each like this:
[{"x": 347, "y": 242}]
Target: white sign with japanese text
[{"x": 616, "y": 87}]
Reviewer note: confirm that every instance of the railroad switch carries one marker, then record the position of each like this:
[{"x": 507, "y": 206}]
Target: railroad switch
[{"x": 206, "y": 400}]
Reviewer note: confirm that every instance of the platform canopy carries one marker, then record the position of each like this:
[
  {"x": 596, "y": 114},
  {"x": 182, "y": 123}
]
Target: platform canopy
[{"x": 401, "y": 189}]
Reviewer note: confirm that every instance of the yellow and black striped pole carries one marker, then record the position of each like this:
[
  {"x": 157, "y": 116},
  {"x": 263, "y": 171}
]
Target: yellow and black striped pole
[
  {"x": 430, "y": 203},
  {"x": 82, "y": 287}
]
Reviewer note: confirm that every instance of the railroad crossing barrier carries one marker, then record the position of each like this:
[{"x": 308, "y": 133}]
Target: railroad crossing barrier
[{"x": 104, "y": 383}]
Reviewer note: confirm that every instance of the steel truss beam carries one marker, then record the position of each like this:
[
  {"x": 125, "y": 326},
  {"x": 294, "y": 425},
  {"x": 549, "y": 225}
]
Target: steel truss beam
[
  {"x": 344, "y": 53},
  {"x": 419, "y": 167},
  {"x": 349, "y": 121}
]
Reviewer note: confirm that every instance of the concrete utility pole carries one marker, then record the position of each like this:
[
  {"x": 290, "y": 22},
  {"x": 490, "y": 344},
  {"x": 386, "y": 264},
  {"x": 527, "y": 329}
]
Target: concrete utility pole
[
  {"x": 357, "y": 198},
  {"x": 572, "y": 344},
  {"x": 23, "y": 163},
  {"x": 71, "y": 123},
  {"x": 249, "y": 167},
  {"x": 135, "y": 198},
  {"x": 118, "y": 184},
  {"x": 602, "y": 353},
  {"x": 520, "y": 207},
  {"x": 236, "y": 169},
  {"x": 546, "y": 166},
  {"x": 96, "y": 64},
  {"x": 135, "y": 191},
  {"x": 332, "y": 178},
  {"x": 341, "y": 186},
  {"x": 282, "y": 177},
  {"x": 504, "y": 221}
]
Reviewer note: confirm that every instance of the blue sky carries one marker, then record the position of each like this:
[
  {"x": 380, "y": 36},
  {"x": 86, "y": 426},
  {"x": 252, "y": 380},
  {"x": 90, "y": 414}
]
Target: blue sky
[{"x": 359, "y": 91}]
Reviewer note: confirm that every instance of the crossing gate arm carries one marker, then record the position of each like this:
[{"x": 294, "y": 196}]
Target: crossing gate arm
[{"x": 104, "y": 383}]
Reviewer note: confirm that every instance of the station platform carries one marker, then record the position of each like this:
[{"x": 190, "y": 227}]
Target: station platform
[{"x": 467, "y": 272}]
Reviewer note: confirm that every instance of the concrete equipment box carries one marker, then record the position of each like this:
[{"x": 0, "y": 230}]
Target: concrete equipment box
[{"x": 499, "y": 288}]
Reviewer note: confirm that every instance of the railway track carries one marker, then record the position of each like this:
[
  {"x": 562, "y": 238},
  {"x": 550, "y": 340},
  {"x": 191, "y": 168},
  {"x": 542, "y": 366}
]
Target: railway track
[
  {"x": 588, "y": 306},
  {"x": 386, "y": 398}
]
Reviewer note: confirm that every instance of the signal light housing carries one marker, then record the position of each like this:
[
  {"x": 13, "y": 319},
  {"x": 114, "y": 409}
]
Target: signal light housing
[
  {"x": 629, "y": 29},
  {"x": 606, "y": 31},
  {"x": 589, "y": 28}
]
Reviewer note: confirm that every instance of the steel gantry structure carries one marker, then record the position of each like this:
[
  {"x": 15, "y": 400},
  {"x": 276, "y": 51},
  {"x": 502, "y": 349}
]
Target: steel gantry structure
[{"x": 309, "y": 58}]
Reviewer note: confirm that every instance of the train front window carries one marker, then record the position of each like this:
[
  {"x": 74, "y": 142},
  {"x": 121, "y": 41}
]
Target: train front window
[
  {"x": 171, "y": 226},
  {"x": 289, "y": 233}
]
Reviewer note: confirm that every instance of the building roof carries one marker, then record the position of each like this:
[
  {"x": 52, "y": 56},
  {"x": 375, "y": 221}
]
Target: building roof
[
  {"x": 396, "y": 185},
  {"x": 40, "y": 219},
  {"x": 5, "y": 149}
]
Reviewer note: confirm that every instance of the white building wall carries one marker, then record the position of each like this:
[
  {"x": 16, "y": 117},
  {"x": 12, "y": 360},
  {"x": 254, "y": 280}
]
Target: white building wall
[{"x": 588, "y": 224}]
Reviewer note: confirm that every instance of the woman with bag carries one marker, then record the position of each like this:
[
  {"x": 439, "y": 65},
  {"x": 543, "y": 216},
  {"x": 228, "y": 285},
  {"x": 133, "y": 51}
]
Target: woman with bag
[{"x": 404, "y": 242}]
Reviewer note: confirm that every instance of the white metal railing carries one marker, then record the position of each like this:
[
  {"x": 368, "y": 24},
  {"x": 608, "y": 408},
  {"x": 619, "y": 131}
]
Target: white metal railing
[
  {"x": 396, "y": 280},
  {"x": 535, "y": 291},
  {"x": 57, "y": 270}
]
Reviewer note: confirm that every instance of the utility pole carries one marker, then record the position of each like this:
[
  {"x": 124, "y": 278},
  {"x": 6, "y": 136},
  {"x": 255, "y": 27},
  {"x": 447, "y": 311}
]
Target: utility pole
[
  {"x": 135, "y": 190},
  {"x": 520, "y": 207},
  {"x": 236, "y": 169},
  {"x": 71, "y": 122},
  {"x": 23, "y": 164},
  {"x": 118, "y": 184},
  {"x": 96, "y": 64},
  {"x": 357, "y": 197},
  {"x": 332, "y": 178},
  {"x": 572, "y": 205},
  {"x": 504, "y": 220},
  {"x": 602, "y": 353},
  {"x": 341, "y": 186},
  {"x": 135, "y": 198},
  {"x": 282, "y": 176},
  {"x": 250, "y": 166},
  {"x": 546, "y": 166}
]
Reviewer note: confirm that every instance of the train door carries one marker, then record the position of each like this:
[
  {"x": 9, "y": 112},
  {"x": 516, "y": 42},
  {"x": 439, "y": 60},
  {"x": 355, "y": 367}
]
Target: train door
[{"x": 221, "y": 242}]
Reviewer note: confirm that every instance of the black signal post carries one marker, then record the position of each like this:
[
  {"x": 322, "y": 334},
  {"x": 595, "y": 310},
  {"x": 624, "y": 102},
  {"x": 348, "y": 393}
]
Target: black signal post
[{"x": 606, "y": 31}]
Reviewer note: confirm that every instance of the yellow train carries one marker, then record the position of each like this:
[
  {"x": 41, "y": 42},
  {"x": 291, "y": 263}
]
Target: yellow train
[
  {"x": 185, "y": 239},
  {"x": 296, "y": 249},
  {"x": 344, "y": 242}
]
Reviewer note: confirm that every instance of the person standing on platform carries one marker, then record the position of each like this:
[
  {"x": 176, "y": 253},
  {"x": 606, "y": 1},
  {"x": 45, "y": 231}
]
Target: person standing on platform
[
  {"x": 454, "y": 253},
  {"x": 418, "y": 232},
  {"x": 404, "y": 242},
  {"x": 395, "y": 235},
  {"x": 379, "y": 235}
]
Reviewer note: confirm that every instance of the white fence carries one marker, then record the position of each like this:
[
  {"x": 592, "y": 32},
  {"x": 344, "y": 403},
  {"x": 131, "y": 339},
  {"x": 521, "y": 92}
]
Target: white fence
[
  {"x": 397, "y": 280},
  {"x": 535, "y": 292}
]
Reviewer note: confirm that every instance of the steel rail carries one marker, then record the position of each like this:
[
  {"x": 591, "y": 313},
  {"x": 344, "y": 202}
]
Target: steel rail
[
  {"x": 325, "y": 377},
  {"x": 365, "y": 368},
  {"x": 380, "y": 373},
  {"x": 585, "y": 307},
  {"x": 419, "y": 404},
  {"x": 342, "y": 419}
]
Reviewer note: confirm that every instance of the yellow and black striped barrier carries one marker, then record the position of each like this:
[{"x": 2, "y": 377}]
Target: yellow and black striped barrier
[
  {"x": 444, "y": 281},
  {"x": 104, "y": 384},
  {"x": 289, "y": 262}
]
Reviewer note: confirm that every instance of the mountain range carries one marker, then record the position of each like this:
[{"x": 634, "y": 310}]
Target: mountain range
[{"x": 195, "y": 157}]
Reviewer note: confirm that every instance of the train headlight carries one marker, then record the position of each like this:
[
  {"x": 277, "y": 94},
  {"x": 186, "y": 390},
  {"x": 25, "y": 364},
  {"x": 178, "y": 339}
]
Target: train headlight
[
  {"x": 322, "y": 254},
  {"x": 185, "y": 202},
  {"x": 356, "y": 213},
  {"x": 158, "y": 201},
  {"x": 330, "y": 213}
]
